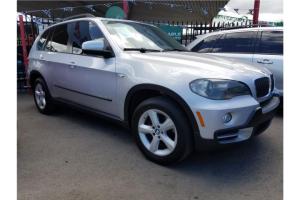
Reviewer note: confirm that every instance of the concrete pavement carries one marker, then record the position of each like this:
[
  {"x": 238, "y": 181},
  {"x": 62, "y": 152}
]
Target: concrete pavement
[{"x": 76, "y": 156}]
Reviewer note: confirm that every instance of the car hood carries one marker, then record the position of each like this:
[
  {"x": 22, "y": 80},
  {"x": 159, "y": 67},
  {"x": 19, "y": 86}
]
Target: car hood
[{"x": 207, "y": 66}]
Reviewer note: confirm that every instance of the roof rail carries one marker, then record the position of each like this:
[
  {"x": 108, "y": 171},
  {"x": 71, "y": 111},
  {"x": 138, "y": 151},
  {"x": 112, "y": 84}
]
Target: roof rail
[
  {"x": 79, "y": 16},
  {"x": 242, "y": 26},
  {"x": 233, "y": 27}
]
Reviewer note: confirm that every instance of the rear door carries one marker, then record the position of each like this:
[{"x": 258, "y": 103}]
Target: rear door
[
  {"x": 237, "y": 45},
  {"x": 269, "y": 54},
  {"x": 41, "y": 58}
]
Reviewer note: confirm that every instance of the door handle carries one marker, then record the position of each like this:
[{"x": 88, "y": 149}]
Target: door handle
[
  {"x": 41, "y": 57},
  {"x": 121, "y": 75},
  {"x": 265, "y": 61}
]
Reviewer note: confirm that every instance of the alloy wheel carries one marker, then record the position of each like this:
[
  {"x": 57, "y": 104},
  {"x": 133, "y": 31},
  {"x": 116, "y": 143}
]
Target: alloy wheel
[
  {"x": 157, "y": 132},
  {"x": 40, "y": 96}
]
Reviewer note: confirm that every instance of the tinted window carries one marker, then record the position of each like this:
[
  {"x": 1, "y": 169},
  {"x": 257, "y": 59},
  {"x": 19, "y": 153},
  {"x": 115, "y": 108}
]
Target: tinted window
[
  {"x": 59, "y": 41},
  {"x": 271, "y": 43},
  {"x": 83, "y": 31},
  {"x": 236, "y": 43},
  {"x": 205, "y": 45},
  {"x": 42, "y": 40}
]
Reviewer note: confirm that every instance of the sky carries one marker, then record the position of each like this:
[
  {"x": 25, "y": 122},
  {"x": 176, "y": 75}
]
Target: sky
[
  {"x": 270, "y": 10},
  {"x": 266, "y": 6}
]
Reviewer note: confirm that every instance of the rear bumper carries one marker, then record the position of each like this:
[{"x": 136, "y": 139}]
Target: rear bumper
[{"x": 257, "y": 122}]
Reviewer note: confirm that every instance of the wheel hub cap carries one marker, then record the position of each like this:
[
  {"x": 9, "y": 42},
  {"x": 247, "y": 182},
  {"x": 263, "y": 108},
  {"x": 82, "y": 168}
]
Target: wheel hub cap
[{"x": 157, "y": 132}]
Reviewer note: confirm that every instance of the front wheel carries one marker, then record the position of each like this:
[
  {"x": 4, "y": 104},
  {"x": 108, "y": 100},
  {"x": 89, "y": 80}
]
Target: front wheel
[{"x": 162, "y": 131}]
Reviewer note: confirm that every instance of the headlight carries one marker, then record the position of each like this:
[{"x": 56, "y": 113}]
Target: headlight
[{"x": 219, "y": 89}]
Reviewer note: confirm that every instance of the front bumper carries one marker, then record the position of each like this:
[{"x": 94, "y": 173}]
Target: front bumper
[
  {"x": 256, "y": 124},
  {"x": 249, "y": 118}
]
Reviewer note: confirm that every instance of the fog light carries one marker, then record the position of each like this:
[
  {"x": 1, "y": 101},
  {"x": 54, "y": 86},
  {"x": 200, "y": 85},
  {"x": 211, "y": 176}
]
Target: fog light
[{"x": 227, "y": 117}]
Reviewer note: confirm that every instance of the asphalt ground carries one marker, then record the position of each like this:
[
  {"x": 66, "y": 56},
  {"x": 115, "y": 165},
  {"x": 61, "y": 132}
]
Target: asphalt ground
[{"x": 72, "y": 155}]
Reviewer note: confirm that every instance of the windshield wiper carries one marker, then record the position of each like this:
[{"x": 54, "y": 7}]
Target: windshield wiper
[
  {"x": 142, "y": 50},
  {"x": 175, "y": 50}
]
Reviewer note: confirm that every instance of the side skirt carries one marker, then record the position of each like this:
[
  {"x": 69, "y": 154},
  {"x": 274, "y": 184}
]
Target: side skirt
[{"x": 99, "y": 113}]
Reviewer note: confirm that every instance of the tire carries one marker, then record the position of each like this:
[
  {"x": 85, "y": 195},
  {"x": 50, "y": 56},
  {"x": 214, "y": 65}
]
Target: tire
[
  {"x": 165, "y": 139},
  {"x": 42, "y": 97}
]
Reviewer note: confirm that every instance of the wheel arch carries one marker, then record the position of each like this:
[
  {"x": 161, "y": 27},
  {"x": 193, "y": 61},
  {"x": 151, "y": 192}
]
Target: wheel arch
[
  {"x": 34, "y": 74},
  {"x": 133, "y": 98}
]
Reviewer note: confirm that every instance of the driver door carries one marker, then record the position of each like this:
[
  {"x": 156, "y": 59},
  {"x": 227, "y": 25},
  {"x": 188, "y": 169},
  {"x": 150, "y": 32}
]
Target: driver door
[{"x": 90, "y": 80}]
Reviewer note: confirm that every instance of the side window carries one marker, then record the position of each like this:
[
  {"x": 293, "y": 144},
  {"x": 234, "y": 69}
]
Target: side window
[
  {"x": 82, "y": 31},
  {"x": 242, "y": 42},
  {"x": 205, "y": 45},
  {"x": 271, "y": 42},
  {"x": 47, "y": 46},
  {"x": 42, "y": 40},
  {"x": 59, "y": 40}
]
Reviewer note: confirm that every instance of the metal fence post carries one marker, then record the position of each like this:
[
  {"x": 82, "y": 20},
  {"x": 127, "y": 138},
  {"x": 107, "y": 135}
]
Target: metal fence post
[{"x": 23, "y": 40}]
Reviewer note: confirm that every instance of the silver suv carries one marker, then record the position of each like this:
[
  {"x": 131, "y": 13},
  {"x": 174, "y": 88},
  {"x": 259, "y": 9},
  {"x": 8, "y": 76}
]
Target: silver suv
[{"x": 172, "y": 99}]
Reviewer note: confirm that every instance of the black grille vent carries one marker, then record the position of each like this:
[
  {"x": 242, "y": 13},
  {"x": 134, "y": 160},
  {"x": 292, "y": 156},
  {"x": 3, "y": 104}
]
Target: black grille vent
[{"x": 262, "y": 86}]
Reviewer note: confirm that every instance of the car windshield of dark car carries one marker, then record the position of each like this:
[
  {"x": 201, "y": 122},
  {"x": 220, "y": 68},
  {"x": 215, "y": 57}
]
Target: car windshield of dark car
[{"x": 135, "y": 36}]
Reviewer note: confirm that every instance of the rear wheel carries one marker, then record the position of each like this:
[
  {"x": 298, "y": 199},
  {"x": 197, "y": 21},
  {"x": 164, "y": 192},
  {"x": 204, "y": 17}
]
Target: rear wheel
[
  {"x": 162, "y": 131},
  {"x": 42, "y": 97}
]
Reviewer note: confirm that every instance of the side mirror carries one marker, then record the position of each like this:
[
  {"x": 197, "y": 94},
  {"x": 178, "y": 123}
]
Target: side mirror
[{"x": 96, "y": 47}]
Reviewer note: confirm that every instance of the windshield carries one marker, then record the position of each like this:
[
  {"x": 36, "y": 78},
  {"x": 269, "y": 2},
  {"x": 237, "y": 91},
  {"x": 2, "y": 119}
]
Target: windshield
[{"x": 134, "y": 36}]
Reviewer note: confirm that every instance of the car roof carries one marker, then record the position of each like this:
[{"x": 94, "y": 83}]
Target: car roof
[{"x": 217, "y": 32}]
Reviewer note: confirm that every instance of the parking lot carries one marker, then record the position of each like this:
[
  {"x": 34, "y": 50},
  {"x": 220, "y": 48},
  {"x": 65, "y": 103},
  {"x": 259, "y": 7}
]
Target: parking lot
[{"x": 73, "y": 155}]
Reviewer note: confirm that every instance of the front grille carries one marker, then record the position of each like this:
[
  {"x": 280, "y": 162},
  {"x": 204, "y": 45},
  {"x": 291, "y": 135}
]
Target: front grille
[
  {"x": 262, "y": 86},
  {"x": 272, "y": 82}
]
